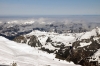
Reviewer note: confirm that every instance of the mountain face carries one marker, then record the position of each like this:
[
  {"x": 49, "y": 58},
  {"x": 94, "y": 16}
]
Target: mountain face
[
  {"x": 75, "y": 47},
  {"x": 83, "y": 49},
  {"x": 50, "y": 41}
]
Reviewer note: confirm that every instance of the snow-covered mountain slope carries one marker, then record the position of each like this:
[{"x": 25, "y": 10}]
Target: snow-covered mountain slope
[
  {"x": 68, "y": 46},
  {"x": 57, "y": 39},
  {"x": 73, "y": 46},
  {"x": 93, "y": 32},
  {"x": 25, "y": 55}
]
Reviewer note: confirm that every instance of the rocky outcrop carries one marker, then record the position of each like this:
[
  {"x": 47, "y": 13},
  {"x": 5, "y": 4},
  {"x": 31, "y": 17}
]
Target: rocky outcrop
[
  {"x": 63, "y": 52},
  {"x": 34, "y": 42},
  {"x": 78, "y": 54},
  {"x": 30, "y": 40},
  {"x": 49, "y": 40},
  {"x": 20, "y": 39}
]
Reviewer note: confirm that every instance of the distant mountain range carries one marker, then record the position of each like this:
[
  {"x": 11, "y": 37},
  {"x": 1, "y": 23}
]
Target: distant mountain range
[{"x": 11, "y": 28}]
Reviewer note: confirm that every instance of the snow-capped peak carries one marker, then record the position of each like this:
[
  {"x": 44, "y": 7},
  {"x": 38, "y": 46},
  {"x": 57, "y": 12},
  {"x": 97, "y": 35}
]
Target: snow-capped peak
[{"x": 93, "y": 32}]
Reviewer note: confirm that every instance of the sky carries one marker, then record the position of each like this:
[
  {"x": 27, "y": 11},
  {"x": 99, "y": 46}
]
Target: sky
[{"x": 49, "y": 7}]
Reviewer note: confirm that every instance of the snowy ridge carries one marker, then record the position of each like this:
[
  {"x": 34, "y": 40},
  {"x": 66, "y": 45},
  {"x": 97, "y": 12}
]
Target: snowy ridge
[
  {"x": 42, "y": 36},
  {"x": 94, "y": 32}
]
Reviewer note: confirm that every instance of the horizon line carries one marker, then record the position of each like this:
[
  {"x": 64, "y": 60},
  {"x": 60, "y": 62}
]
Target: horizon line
[{"x": 51, "y": 15}]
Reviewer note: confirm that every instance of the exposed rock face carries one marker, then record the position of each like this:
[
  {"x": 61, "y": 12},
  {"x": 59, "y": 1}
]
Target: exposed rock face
[
  {"x": 49, "y": 40},
  {"x": 20, "y": 39},
  {"x": 79, "y": 54},
  {"x": 82, "y": 53},
  {"x": 63, "y": 53},
  {"x": 30, "y": 40},
  {"x": 34, "y": 41}
]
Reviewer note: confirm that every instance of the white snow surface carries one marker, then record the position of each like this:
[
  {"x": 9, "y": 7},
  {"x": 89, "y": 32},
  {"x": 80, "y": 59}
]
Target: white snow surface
[
  {"x": 25, "y": 55},
  {"x": 84, "y": 44},
  {"x": 88, "y": 34}
]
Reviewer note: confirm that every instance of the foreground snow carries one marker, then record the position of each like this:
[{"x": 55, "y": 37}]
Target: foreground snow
[{"x": 25, "y": 55}]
